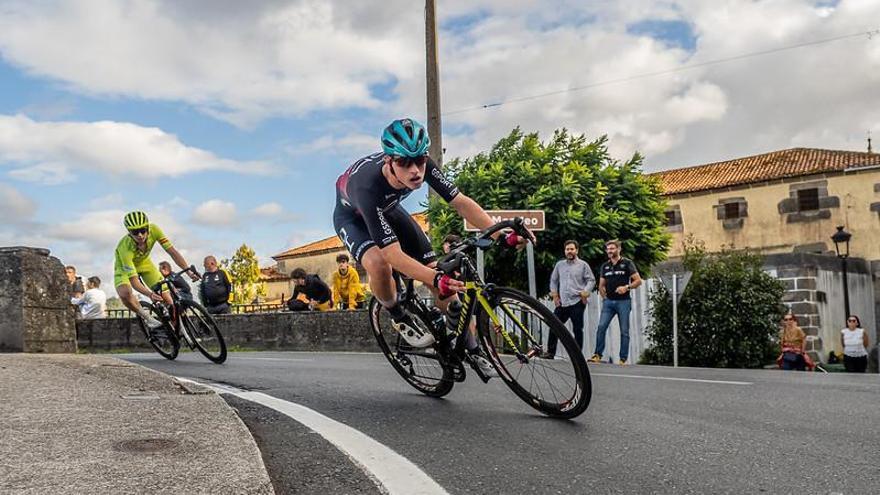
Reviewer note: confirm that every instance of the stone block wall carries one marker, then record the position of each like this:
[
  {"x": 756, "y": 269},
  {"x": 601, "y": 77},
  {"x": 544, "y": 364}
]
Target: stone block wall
[
  {"x": 34, "y": 302},
  {"x": 282, "y": 331}
]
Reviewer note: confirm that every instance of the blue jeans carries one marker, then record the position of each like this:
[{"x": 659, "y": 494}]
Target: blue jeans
[{"x": 610, "y": 308}]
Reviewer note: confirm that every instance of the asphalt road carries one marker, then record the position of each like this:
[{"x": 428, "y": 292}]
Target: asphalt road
[{"x": 648, "y": 429}]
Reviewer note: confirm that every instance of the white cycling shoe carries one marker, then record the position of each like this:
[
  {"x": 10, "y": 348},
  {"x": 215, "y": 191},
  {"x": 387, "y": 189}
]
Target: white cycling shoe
[
  {"x": 411, "y": 335},
  {"x": 483, "y": 363},
  {"x": 151, "y": 322}
]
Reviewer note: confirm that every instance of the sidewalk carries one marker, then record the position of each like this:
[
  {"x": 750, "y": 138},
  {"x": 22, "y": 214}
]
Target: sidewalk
[{"x": 95, "y": 424}]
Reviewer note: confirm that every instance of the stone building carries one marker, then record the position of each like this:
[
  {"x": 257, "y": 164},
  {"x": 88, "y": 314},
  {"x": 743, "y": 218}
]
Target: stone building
[
  {"x": 279, "y": 286},
  {"x": 320, "y": 256},
  {"x": 786, "y": 205}
]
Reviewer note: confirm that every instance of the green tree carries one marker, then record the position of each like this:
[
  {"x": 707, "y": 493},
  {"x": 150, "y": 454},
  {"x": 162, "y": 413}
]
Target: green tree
[
  {"x": 587, "y": 196},
  {"x": 728, "y": 316},
  {"x": 244, "y": 269}
]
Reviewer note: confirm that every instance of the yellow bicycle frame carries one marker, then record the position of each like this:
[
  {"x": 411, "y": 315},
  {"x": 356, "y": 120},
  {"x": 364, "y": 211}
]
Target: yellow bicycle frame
[{"x": 474, "y": 293}]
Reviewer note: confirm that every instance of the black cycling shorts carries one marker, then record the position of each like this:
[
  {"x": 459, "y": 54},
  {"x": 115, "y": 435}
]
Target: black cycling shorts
[{"x": 352, "y": 231}]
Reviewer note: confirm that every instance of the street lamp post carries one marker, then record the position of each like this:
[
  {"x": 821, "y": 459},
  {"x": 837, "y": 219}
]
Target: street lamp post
[{"x": 841, "y": 245}]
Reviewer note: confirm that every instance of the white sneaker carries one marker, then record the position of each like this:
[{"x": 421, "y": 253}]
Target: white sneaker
[
  {"x": 483, "y": 363},
  {"x": 151, "y": 322},
  {"x": 412, "y": 336}
]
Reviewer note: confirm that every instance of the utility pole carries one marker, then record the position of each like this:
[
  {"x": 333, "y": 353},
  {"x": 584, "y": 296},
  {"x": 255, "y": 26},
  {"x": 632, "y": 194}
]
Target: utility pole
[{"x": 432, "y": 73}]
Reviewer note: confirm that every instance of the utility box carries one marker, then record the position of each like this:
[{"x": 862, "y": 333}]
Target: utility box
[{"x": 35, "y": 310}]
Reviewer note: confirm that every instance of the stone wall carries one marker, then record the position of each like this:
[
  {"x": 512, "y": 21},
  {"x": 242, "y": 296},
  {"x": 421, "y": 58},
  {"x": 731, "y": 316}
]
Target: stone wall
[
  {"x": 282, "y": 331},
  {"x": 34, "y": 302}
]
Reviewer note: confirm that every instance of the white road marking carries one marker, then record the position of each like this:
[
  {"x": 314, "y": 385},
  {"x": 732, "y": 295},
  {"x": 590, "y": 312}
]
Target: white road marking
[
  {"x": 697, "y": 380},
  {"x": 238, "y": 358},
  {"x": 393, "y": 473}
]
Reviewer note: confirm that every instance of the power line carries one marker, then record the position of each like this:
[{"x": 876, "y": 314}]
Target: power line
[{"x": 518, "y": 99}]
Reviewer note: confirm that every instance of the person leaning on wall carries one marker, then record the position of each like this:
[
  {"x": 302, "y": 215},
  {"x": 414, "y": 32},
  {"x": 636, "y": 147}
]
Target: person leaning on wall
[{"x": 855, "y": 344}]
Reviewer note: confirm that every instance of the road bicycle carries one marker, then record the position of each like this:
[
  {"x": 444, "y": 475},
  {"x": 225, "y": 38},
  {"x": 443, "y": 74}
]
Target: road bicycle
[
  {"x": 511, "y": 328},
  {"x": 184, "y": 320}
]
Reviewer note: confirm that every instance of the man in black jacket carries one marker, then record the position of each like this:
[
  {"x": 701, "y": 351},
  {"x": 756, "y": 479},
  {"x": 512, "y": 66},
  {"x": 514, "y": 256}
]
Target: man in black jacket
[
  {"x": 182, "y": 286},
  {"x": 216, "y": 288},
  {"x": 310, "y": 293}
]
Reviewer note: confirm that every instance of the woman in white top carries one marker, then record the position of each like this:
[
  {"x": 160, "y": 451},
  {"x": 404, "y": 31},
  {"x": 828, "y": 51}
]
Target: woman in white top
[{"x": 855, "y": 345}]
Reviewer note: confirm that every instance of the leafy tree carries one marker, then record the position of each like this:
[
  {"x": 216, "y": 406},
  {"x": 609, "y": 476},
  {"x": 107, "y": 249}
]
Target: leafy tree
[
  {"x": 587, "y": 196},
  {"x": 244, "y": 269},
  {"x": 728, "y": 316}
]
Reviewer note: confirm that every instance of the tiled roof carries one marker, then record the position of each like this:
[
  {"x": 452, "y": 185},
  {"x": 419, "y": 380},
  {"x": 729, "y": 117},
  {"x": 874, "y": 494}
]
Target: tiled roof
[
  {"x": 333, "y": 243},
  {"x": 271, "y": 273},
  {"x": 759, "y": 168}
]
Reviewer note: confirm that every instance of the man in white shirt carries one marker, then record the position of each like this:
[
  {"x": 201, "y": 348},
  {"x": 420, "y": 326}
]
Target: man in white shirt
[{"x": 93, "y": 303}]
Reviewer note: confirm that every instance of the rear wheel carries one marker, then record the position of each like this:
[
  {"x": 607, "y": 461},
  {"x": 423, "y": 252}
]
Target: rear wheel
[
  {"x": 558, "y": 387},
  {"x": 203, "y": 329},
  {"x": 163, "y": 339},
  {"x": 421, "y": 368}
]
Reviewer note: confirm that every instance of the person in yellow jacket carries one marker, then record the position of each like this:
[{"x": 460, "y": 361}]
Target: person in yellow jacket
[{"x": 347, "y": 288}]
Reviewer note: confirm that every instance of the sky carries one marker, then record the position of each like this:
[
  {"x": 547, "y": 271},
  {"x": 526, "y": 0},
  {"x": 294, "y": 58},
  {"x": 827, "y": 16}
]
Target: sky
[{"x": 228, "y": 122}]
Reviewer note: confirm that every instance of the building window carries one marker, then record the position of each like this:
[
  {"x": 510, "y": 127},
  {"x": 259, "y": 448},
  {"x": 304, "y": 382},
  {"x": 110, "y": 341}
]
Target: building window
[
  {"x": 673, "y": 219},
  {"x": 731, "y": 210},
  {"x": 808, "y": 199}
]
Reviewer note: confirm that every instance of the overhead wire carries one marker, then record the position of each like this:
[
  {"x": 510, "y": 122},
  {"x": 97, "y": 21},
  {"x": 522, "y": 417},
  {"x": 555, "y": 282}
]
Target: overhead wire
[{"x": 518, "y": 99}]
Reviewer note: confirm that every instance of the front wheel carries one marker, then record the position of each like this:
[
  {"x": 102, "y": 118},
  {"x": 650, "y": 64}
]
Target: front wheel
[
  {"x": 202, "y": 327},
  {"x": 557, "y": 386},
  {"x": 421, "y": 368},
  {"x": 163, "y": 339}
]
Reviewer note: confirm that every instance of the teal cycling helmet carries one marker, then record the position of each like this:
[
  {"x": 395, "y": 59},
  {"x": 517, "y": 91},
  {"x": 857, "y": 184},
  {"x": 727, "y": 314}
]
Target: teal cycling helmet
[
  {"x": 135, "y": 220},
  {"x": 406, "y": 138}
]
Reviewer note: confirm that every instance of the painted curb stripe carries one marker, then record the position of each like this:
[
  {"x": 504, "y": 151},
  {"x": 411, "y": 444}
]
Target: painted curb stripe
[{"x": 395, "y": 474}]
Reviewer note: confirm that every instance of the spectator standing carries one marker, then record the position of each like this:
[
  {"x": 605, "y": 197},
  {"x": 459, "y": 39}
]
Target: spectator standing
[
  {"x": 855, "y": 345},
  {"x": 182, "y": 286},
  {"x": 571, "y": 282},
  {"x": 93, "y": 302},
  {"x": 215, "y": 291},
  {"x": 310, "y": 293},
  {"x": 75, "y": 281},
  {"x": 347, "y": 288},
  {"x": 617, "y": 277}
]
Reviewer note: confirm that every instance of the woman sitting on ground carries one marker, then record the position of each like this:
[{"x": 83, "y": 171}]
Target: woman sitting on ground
[{"x": 794, "y": 346}]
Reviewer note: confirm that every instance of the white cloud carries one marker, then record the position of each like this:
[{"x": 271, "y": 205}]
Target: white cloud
[
  {"x": 239, "y": 61},
  {"x": 47, "y": 152},
  {"x": 215, "y": 212},
  {"x": 269, "y": 210},
  {"x": 14, "y": 206}
]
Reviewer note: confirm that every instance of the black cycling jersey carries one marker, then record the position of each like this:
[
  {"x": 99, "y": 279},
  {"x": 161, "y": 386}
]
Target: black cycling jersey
[{"x": 364, "y": 193}]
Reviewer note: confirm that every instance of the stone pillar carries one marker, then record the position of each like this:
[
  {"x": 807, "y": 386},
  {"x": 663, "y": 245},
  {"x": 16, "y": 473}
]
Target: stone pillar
[
  {"x": 35, "y": 310},
  {"x": 802, "y": 300}
]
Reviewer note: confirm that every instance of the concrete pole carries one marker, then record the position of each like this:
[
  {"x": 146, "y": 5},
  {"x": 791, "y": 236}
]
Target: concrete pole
[{"x": 432, "y": 73}]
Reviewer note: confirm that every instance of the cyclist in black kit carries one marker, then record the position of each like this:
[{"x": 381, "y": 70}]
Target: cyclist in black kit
[{"x": 382, "y": 236}]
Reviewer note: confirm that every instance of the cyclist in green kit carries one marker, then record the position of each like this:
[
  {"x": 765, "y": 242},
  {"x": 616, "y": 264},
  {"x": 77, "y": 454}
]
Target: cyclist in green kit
[{"x": 133, "y": 268}]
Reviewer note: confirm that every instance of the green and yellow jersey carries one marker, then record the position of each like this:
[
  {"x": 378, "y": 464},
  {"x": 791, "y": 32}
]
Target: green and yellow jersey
[{"x": 131, "y": 262}]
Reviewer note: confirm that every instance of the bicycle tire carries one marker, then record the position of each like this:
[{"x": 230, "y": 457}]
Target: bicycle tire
[
  {"x": 566, "y": 404},
  {"x": 166, "y": 344},
  {"x": 203, "y": 329},
  {"x": 430, "y": 386}
]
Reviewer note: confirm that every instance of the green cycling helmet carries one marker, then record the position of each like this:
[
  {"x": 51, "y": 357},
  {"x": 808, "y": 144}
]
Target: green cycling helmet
[
  {"x": 135, "y": 220},
  {"x": 406, "y": 138}
]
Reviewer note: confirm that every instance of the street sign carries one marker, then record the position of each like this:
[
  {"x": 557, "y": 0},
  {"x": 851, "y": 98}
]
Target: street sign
[
  {"x": 683, "y": 279},
  {"x": 533, "y": 219}
]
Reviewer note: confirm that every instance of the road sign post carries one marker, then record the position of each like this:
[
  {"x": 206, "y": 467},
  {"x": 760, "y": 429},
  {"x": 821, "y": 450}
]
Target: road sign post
[
  {"x": 533, "y": 219},
  {"x": 675, "y": 284}
]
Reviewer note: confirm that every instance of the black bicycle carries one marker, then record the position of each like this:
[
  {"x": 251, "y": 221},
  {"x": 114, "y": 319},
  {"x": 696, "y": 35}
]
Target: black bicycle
[
  {"x": 184, "y": 320},
  {"x": 511, "y": 327}
]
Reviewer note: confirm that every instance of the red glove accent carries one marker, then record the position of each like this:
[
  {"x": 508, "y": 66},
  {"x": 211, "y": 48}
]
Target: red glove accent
[
  {"x": 511, "y": 240},
  {"x": 441, "y": 282}
]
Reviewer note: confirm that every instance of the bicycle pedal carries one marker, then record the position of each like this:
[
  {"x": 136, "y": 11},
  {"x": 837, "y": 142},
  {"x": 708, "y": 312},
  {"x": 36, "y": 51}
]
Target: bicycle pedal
[{"x": 458, "y": 373}]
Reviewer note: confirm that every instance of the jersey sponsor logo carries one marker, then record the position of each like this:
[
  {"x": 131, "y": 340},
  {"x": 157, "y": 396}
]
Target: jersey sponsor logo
[{"x": 386, "y": 228}]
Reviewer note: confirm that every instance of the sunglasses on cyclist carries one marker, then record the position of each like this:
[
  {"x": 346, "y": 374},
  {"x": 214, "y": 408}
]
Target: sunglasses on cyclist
[
  {"x": 142, "y": 230},
  {"x": 405, "y": 161}
]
